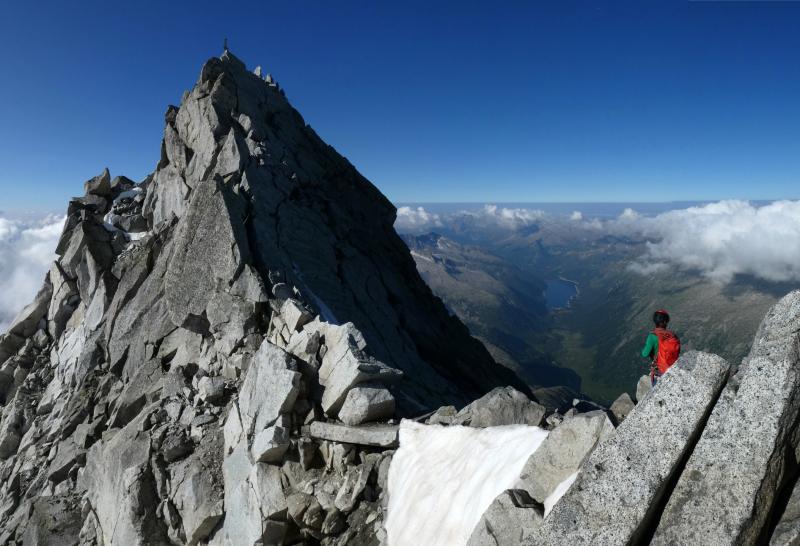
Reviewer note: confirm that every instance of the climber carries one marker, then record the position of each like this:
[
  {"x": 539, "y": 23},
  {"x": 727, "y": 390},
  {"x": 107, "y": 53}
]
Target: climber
[{"x": 662, "y": 347}]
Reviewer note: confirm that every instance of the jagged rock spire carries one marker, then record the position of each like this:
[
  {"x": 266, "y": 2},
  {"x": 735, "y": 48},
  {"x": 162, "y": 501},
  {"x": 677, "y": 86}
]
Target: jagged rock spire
[{"x": 195, "y": 326}]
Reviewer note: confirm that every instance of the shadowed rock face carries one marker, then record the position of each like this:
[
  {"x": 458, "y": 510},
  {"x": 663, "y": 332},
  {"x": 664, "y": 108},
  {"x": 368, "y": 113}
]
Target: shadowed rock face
[{"x": 261, "y": 195}]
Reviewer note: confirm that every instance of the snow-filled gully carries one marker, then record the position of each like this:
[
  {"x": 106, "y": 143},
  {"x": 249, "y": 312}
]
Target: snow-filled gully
[{"x": 442, "y": 479}]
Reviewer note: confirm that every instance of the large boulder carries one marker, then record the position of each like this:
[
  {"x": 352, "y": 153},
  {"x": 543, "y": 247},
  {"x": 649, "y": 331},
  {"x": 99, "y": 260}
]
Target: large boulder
[
  {"x": 367, "y": 403},
  {"x": 622, "y": 407},
  {"x": 501, "y": 406},
  {"x": 99, "y": 185},
  {"x": 562, "y": 453},
  {"x": 378, "y": 435},
  {"x": 121, "y": 488},
  {"x": 197, "y": 488},
  {"x": 515, "y": 514},
  {"x": 346, "y": 365},
  {"x": 509, "y": 520},
  {"x": 631, "y": 470},
  {"x": 743, "y": 459},
  {"x": 269, "y": 389},
  {"x": 255, "y": 503}
]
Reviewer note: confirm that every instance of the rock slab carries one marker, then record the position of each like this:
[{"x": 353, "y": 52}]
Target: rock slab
[
  {"x": 608, "y": 504},
  {"x": 727, "y": 491}
]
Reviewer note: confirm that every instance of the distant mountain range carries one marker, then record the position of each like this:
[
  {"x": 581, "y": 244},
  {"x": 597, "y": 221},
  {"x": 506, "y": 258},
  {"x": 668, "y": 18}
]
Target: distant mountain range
[{"x": 493, "y": 280}]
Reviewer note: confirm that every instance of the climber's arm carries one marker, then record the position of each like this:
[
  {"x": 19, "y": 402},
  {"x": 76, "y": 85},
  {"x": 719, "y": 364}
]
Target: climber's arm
[{"x": 651, "y": 346}]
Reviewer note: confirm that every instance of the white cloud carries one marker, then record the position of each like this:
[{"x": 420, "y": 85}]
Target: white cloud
[
  {"x": 416, "y": 219},
  {"x": 27, "y": 248},
  {"x": 722, "y": 239},
  {"x": 508, "y": 218}
]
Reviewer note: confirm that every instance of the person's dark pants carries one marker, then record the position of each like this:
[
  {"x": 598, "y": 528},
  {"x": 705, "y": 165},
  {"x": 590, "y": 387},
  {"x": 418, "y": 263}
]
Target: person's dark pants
[{"x": 654, "y": 376}]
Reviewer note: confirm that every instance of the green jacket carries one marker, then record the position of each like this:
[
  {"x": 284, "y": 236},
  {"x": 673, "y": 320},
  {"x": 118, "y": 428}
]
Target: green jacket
[{"x": 651, "y": 346}]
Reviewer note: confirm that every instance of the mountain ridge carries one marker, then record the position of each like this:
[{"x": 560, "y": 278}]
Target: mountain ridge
[{"x": 253, "y": 255}]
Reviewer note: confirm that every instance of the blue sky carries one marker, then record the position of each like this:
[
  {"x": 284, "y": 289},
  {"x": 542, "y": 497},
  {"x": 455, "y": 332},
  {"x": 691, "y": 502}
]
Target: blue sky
[{"x": 433, "y": 101}]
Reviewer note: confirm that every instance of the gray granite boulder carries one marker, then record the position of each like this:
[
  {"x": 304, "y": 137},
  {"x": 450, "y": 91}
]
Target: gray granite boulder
[
  {"x": 121, "y": 488},
  {"x": 509, "y": 521},
  {"x": 99, "y": 185},
  {"x": 562, "y": 453},
  {"x": 255, "y": 503},
  {"x": 269, "y": 389},
  {"x": 197, "y": 490},
  {"x": 365, "y": 403},
  {"x": 368, "y": 435},
  {"x": 609, "y": 502},
  {"x": 622, "y": 407},
  {"x": 731, "y": 482},
  {"x": 502, "y": 406}
]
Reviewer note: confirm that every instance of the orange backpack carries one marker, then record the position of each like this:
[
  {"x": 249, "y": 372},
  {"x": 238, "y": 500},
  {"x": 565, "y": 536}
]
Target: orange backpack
[{"x": 669, "y": 349}]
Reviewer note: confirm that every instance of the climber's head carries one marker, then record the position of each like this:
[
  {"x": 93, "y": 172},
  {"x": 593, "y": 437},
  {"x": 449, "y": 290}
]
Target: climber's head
[{"x": 661, "y": 318}]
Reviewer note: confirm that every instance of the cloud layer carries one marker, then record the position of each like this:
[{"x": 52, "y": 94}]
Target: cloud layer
[
  {"x": 718, "y": 240},
  {"x": 413, "y": 220},
  {"x": 722, "y": 240},
  {"x": 417, "y": 220},
  {"x": 27, "y": 248}
]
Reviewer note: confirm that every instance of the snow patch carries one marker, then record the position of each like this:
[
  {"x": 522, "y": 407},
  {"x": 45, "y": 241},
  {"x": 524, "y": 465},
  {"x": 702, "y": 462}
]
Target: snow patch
[
  {"x": 442, "y": 479},
  {"x": 128, "y": 194}
]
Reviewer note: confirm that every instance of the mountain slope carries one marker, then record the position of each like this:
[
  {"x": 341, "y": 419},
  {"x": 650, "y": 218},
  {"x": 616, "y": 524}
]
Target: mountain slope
[
  {"x": 209, "y": 342},
  {"x": 503, "y": 306},
  {"x": 302, "y": 215}
]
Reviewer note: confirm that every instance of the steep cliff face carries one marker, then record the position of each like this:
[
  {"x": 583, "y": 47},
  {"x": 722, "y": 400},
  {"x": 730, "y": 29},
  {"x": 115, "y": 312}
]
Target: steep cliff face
[
  {"x": 201, "y": 360},
  {"x": 239, "y": 162}
]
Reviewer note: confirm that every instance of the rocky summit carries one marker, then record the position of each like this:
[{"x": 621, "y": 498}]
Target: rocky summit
[
  {"x": 203, "y": 356},
  {"x": 222, "y": 353}
]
